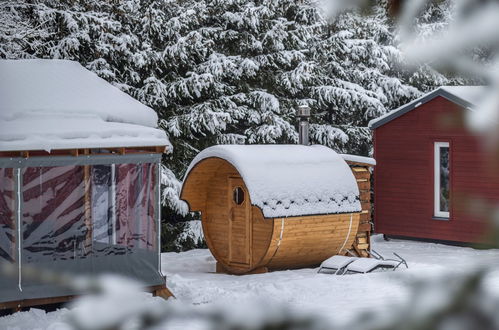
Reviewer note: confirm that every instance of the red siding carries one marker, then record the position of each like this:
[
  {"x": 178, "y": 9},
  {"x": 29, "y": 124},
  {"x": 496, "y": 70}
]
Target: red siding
[{"x": 404, "y": 176}]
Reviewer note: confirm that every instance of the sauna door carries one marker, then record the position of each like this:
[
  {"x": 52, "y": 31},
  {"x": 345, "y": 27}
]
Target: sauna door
[{"x": 239, "y": 224}]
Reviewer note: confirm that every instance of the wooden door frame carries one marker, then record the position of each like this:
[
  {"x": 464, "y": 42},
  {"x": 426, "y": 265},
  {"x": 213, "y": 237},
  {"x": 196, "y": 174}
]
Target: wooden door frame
[{"x": 249, "y": 231}]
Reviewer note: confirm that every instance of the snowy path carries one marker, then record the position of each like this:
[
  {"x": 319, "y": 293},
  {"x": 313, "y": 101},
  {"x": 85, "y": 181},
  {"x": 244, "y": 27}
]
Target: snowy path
[{"x": 191, "y": 277}]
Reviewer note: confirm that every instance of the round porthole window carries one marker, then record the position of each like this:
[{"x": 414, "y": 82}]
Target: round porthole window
[{"x": 238, "y": 195}]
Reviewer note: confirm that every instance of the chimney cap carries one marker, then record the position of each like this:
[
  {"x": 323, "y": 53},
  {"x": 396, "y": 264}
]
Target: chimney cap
[{"x": 303, "y": 111}]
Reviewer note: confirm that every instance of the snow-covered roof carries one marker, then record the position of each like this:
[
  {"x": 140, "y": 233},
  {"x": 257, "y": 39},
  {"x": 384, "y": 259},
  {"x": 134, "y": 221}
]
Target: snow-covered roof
[
  {"x": 466, "y": 96},
  {"x": 359, "y": 159},
  {"x": 58, "y": 104},
  {"x": 291, "y": 180}
]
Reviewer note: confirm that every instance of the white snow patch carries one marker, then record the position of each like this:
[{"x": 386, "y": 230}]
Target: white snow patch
[
  {"x": 340, "y": 299},
  {"x": 58, "y": 104},
  {"x": 469, "y": 94},
  {"x": 33, "y": 131},
  {"x": 35, "y": 319},
  {"x": 291, "y": 180},
  {"x": 194, "y": 230},
  {"x": 191, "y": 276},
  {"x": 359, "y": 159}
]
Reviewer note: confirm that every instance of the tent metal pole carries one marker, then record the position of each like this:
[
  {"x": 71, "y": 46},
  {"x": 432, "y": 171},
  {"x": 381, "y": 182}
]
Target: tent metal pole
[
  {"x": 18, "y": 223},
  {"x": 113, "y": 203},
  {"x": 158, "y": 212}
]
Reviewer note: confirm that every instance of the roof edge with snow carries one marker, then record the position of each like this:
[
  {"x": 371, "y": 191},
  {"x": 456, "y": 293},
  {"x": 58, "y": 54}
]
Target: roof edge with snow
[
  {"x": 290, "y": 180},
  {"x": 444, "y": 91},
  {"x": 359, "y": 159},
  {"x": 59, "y": 104}
]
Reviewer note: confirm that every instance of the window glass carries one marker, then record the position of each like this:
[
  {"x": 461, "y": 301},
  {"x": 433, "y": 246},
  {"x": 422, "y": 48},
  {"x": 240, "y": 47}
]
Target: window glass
[
  {"x": 238, "y": 195},
  {"x": 135, "y": 205},
  {"x": 7, "y": 214},
  {"x": 444, "y": 179},
  {"x": 102, "y": 203},
  {"x": 54, "y": 217},
  {"x": 441, "y": 180}
]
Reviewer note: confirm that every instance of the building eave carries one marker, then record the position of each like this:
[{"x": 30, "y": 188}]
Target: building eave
[{"x": 375, "y": 123}]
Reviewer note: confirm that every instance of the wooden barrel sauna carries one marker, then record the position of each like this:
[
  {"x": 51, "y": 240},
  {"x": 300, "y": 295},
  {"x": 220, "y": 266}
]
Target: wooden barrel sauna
[{"x": 246, "y": 237}]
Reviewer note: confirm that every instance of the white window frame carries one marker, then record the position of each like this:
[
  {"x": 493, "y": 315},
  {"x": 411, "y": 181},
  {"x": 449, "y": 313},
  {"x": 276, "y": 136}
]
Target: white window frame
[{"x": 436, "y": 180}]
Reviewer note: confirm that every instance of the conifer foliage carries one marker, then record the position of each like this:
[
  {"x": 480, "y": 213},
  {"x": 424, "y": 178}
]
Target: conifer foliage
[{"x": 227, "y": 71}]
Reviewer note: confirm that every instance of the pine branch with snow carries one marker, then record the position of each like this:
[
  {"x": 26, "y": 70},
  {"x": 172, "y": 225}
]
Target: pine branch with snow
[{"x": 232, "y": 71}]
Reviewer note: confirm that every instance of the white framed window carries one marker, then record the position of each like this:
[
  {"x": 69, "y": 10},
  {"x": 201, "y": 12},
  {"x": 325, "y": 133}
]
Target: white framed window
[{"x": 441, "y": 159}]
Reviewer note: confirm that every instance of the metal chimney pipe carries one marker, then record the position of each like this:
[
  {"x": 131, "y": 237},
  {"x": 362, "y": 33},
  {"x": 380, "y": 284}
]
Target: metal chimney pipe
[{"x": 303, "y": 114}]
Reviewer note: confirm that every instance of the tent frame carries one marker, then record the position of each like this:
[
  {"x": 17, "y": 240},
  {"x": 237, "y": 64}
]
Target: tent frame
[{"x": 85, "y": 157}]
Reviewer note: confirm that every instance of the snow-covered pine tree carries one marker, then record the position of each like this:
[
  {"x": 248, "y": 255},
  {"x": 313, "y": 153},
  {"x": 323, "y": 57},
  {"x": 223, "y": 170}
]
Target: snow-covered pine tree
[
  {"x": 229, "y": 71},
  {"x": 122, "y": 42},
  {"x": 435, "y": 18},
  {"x": 224, "y": 88},
  {"x": 261, "y": 59},
  {"x": 352, "y": 65}
]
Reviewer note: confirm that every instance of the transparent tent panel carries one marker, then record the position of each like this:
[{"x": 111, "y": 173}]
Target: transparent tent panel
[
  {"x": 84, "y": 219},
  {"x": 8, "y": 254},
  {"x": 53, "y": 214},
  {"x": 135, "y": 196},
  {"x": 7, "y": 215}
]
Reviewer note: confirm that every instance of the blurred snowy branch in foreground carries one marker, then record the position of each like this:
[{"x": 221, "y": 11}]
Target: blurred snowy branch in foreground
[
  {"x": 474, "y": 25},
  {"x": 111, "y": 302},
  {"x": 467, "y": 43},
  {"x": 454, "y": 303},
  {"x": 461, "y": 301}
]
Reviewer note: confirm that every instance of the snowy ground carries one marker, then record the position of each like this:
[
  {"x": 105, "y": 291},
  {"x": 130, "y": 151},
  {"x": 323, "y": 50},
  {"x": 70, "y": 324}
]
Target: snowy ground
[{"x": 339, "y": 298}]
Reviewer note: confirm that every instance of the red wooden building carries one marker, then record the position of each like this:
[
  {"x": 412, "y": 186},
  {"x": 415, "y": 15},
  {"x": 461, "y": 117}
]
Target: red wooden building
[{"x": 433, "y": 179}]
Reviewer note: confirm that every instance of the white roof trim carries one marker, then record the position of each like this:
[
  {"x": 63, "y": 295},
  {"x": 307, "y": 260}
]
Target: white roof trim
[{"x": 465, "y": 96}]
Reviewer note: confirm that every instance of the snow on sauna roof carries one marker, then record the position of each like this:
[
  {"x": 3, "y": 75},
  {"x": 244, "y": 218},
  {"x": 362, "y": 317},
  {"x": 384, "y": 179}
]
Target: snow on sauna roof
[
  {"x": 291, "y": 180},
  {"x": 58, "y": 104},
  {"x": 466, "y": 96},
  {"x": 359, "y": 159}
]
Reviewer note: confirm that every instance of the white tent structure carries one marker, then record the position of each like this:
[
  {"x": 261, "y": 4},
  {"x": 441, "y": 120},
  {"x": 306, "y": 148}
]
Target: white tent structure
[{"x": 79, "y": 179}]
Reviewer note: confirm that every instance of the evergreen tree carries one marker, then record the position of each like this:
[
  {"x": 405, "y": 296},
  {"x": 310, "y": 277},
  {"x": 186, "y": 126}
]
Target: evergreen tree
[{"x": 231, "y": 71}]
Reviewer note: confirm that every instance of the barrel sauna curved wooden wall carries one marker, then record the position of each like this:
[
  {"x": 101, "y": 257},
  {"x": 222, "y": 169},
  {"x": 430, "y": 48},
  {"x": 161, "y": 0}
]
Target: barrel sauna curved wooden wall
[{"x": 243, "y": 241}]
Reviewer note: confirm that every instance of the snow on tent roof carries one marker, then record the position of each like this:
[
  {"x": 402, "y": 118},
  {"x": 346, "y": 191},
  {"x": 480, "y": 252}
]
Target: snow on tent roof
[
  {"x": 291, "y": 180},
  {"x": 466, "y": 96},
  {"x": 58, "y": 104}
]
